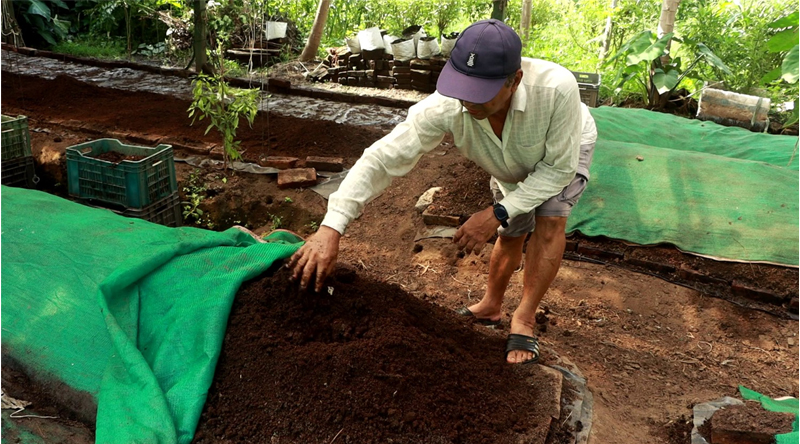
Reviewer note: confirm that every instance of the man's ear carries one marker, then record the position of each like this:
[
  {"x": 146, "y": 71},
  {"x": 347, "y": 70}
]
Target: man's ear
[{"x": 517, "y": 80}]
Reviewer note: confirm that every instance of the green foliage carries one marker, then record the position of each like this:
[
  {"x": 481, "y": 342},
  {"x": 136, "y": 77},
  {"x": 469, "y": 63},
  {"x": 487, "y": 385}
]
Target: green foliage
[
  {"x": 86, "y": 45},
  {"x": 195, "y": 192},
  {"x": 42, "y": 17},
  {"x": 784, "y": 41},
  {"x": 276, "y": 222},
  {"x": 224, "y": 106}
]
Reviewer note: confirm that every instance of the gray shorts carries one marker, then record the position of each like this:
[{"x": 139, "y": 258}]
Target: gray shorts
[{"x": 559, "y": 205}]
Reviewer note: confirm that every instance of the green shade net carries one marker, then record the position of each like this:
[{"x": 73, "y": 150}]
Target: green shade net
[
  {"x": 721, "y": 192},
  {"x": 789, "y": 405},
  {"x": 129, "y": 312}
]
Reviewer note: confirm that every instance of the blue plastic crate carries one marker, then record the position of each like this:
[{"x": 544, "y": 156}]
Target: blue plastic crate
[
  {"x": 16, "y": 139},
  {"x": 129, "y": 184}
]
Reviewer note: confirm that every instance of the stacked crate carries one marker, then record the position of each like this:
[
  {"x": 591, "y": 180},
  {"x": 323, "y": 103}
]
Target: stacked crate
[
  {"x": 145, "y": 188},
  {"x": 589, "y": 86},
  {"x": 17, "y": 161}
]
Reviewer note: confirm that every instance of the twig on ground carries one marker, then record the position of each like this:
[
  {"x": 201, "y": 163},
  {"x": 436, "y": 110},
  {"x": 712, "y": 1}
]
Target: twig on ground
[
  {"x": 710, "y": 346},
  {"x": 337, "y": 435}
]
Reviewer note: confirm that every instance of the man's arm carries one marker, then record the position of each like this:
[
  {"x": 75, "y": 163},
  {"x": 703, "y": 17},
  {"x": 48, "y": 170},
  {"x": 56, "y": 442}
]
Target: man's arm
[{"x": 392, "y": 156}]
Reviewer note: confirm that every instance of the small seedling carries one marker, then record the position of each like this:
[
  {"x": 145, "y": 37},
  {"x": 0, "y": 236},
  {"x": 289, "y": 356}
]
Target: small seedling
[
  {"x": 288, "y": 199},
  {"x": 276, "y": 221},
  {"x": 313, "y": 225}
]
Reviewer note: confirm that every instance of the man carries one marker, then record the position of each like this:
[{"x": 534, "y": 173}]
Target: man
[{"x": 519, "y": 119}]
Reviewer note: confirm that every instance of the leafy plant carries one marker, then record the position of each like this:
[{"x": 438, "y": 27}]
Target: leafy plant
[
  {"x": 647, "y": 62},
  {"x": 785, "y": 42},
  {"x": 43, "y": 19},
  {"x": 313, "y": 225},
  {"x": 195, "y": 191},
  {"x": 224, "y": 106},
  {"x": 288, "y": 199},
  {"x": 276, "y": 222}
]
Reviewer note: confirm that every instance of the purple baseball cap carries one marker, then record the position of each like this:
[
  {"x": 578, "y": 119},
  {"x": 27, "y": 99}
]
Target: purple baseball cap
[{"x": 484, "y": 55}]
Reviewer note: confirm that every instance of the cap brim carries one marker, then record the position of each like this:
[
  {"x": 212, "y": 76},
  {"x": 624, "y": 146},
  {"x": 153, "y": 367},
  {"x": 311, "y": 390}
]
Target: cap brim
[{"x": 460, "y": 86}]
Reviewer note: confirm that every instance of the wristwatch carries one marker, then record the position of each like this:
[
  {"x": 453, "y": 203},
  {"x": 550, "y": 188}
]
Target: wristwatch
[{"x": 501, "y": 214}]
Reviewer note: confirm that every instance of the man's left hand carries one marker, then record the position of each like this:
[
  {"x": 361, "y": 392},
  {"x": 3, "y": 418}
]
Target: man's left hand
[{"x": 472, "y": 236}]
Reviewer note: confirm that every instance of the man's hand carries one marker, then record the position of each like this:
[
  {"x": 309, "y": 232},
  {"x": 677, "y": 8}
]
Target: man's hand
[
  {"x": 316, "y": 258},
  {"x": 472, "y": 236}
]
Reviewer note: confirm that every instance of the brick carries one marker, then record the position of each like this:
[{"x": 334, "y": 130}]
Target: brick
[
  {"x": 419, "y": 76},
  {"x": 385, "y": 79},
  {"x": 598, "y": 253},
  {"x": 436, "y": 219},
  {"x": 438, "y": 61},
  {"x": 342, "y": 80},
  {"x": 739, "y": 289},
  {"x": 279, "y": 162},
  {"x": 419, "y": 64},
  {"x": 333, "y": 164},
  {"x": 354, "y": 59},
  {"x": 279, "y": 83},
  {"x": 297, "y": 178},
  {"x": 383, "y": 72},
  {"x": 571, "y": 245},
  {"x": 403, "y": 81},
  {"x": 375, "y": 54},
  {"x": 357, "y": 73},
  {"x": 401, "y": 69},
  {"x": 695, "y": 276},
  {"x": 653, "y": 266}
]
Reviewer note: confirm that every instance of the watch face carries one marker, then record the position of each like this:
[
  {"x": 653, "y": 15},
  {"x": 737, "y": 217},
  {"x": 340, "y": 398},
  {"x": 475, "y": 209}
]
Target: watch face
[{"x": 500, "y": 212}]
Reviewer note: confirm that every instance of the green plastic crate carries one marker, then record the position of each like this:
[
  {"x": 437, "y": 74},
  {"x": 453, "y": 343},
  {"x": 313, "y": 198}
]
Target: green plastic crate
[
  {"x": 130, "y": 184},
  {"x": 19, "y": 172},
  {"x": 167, "y": 211},
  {"x": 16, "y": 140}
]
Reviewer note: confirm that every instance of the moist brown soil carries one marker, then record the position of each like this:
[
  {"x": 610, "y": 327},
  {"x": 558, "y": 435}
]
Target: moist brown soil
[
  {"x": 115, "y": 157},
  {"x": 650, "y": 349},
  {"x": 751, "y": 417},
  {"x": 369, "y": 363}
]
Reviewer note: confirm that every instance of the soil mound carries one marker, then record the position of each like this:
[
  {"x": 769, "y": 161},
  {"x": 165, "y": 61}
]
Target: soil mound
[{"x": 366, "y": 364}]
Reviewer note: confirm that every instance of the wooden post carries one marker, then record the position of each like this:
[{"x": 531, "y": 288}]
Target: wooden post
[
  {"x": 199, "y": 37},
  {"x": 499, "y": 9}
]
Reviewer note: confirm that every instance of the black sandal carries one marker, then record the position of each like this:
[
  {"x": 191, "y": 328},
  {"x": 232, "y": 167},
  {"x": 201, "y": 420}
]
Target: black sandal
[
  {"x": 464, "y": 311},
  {"x": 523, "y": 343}
]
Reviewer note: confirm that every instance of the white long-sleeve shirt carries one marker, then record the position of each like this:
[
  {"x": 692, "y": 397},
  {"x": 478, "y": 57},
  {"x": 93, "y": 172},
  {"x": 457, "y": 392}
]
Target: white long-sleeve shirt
[{"x": 536, "y": 158}]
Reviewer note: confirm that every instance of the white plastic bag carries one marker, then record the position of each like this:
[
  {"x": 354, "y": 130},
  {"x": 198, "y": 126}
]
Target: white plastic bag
[
  {"x": 387, "y": 43},
  {"x": 448, "y": 42},
  {"x": 427, "y": 47},
  {"x": 275, "y": 30},
  {"x": 370, "y": 39},
  {"x": 415, "y": 32},
  {"x": 404, "y": 49},
  {"x": 352, "y": 44}
]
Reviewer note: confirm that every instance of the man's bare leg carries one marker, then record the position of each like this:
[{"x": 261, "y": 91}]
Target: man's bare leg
[
  {"x": 506, "y": 256},
  {"x": 542, "y": 261}
]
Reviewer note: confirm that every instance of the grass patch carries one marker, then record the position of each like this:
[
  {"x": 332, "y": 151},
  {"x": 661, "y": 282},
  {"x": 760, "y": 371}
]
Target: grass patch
[{"x": 93, "y": 47}]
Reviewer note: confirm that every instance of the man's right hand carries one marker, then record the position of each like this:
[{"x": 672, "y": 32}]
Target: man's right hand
[{"x": 316, "y": 258}]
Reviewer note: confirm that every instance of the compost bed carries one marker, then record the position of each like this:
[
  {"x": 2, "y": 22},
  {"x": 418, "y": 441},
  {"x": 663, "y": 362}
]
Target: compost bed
[{"x": 367, "y": 364}]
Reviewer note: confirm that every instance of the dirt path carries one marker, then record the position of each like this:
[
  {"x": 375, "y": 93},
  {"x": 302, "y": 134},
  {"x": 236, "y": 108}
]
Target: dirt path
[{"x": 650, "y": 349}]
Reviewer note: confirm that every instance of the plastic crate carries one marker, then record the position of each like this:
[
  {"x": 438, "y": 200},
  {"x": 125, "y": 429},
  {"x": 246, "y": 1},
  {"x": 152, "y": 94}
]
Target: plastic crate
[
  {"x": 16, "y": 139},
  {"x": 166, "y": 211},
  {"x": 589, "y": 85},
  {"x": 19, "y": 172},
  {"x": 129, "y": 184}
]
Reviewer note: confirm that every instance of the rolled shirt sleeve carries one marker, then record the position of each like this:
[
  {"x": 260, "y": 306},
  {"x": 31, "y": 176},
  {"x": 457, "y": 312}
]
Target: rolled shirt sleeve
[{"x": 392, "y": 156}]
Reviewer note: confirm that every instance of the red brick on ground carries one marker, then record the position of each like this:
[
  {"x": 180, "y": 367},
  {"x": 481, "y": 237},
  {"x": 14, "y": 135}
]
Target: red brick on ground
[
  {"x": 279, "y": 162},
  {"x": 333, "y": 164},
  {"x": 297, "y": 178}
]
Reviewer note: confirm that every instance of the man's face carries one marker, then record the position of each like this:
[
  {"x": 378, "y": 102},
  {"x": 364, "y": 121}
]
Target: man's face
[{"x": 499, "y": 104}]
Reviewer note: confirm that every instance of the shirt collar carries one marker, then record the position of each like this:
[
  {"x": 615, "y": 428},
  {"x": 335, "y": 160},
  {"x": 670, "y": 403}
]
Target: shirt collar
[{"x": 520, "y": 98}]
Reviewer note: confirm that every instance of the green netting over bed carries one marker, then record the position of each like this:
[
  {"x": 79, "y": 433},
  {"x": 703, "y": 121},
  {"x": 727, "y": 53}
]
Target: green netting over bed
[
  {"x": 131, "y": 313},
  {"x": 722, "y": 192}
]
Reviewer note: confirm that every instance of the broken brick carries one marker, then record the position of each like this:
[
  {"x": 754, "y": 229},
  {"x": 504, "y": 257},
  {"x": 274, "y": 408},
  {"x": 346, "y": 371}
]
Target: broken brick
[
  {"x": 598, "y": 253},
  {"x": 279, "y": 162},
  {"x": 653, "y": 266},
  {"x": 436, "y": 219},
  {"x": 279, "y": 83},
  {"x": 689, "y": 275},
  {"x": 297, "y": 178},
  {"x": 741, "y": 290},
  {"x": 332, "y": 164}
]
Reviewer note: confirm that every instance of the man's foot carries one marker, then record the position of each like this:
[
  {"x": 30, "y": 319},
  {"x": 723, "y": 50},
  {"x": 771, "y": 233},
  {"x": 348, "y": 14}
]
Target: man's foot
[
  {"x": 485, "y": 311},
  {"x": 519, "y": 353},
  {"x": 464, "y": 311}
]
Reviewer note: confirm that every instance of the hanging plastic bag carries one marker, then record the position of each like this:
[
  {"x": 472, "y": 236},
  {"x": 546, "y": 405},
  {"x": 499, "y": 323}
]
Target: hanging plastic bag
[
  {"x": 448, "y": 42},
  {"x": 404, "y": 49},
  {"x": 427, "y": 47},
  {"x": 275, "y": 30},
  {"x": 415, "y": 32},
  {"x": 387, "y": 43},
  {"x": 352, "y": 44},
  {"x": 370, "y": 39}
]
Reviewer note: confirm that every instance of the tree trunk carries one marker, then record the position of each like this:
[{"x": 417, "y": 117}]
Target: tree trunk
[
  {"x": 199, "y": 38},
  {"x": 525, "y": 21},
  {"x": 607, "y": 32},
  {"x": 499, "y": 9},
  {"x": 666, "y": 24},
  {"x": 310, "y": 51},
  {"x": 10, "y": 26}
]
